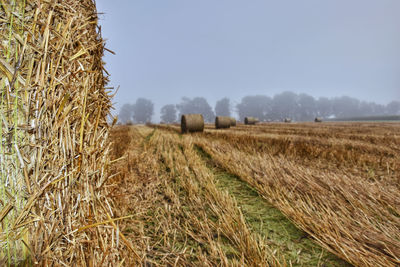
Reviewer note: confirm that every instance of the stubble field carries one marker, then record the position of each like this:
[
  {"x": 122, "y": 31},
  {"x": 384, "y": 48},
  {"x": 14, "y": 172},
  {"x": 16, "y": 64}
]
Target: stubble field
[{"x": 267, "y": 195}]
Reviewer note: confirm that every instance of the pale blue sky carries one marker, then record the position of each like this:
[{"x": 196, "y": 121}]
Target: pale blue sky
[{"x": 167, "y": 49}]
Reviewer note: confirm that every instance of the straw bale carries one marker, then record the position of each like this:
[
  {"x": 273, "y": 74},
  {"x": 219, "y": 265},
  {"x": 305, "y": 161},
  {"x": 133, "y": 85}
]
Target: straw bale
[
  {"x": 233, "y": 121},
  {"x": 192, "y": 123},
  {"x": 222, "y": 122},
  {"x": 54, "y": 108},
  {"x": 318, "y": 119},
  {"x": 250, "y": 120}
]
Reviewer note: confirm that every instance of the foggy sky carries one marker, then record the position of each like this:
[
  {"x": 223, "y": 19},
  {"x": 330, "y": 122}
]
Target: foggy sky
[{"x": 167, "y": 49}]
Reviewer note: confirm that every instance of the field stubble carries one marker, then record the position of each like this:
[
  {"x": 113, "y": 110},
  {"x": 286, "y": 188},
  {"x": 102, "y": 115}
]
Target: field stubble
[{"x": 338, "y": 182}]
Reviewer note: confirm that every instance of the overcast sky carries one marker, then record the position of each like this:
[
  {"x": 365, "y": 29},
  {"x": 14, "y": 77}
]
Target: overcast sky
[{"x": 167, "y": 49}]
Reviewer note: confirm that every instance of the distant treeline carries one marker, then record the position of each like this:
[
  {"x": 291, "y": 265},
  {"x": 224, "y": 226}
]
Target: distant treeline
[
  {"x": 298, "y": 107},
  {"x": 368, "y": 118}
]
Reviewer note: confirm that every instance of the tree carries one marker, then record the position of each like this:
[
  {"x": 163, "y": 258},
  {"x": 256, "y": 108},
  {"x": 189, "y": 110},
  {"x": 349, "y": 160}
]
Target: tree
[
  {"x": 393, "y": 108},
  {"x": 378, "y": 109},
  {"x": 366, "y": 108},
  {"x": 258, "y": 106},
  {"x": 168, "y": 113},
  {"x": 285, "y": 105},
  {"x": 125, "y": 113},
  {"x": 197, "y": 105},
  {"x": 324, "y": 107},
  {"x": 306, "y": 105},
  {"x": 345, "y": 106},
  {"x": 223, "y": 107},
  {"x": 143, "y": 110}
]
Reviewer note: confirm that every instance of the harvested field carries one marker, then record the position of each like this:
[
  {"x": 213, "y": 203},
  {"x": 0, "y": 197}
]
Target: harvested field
[{"x": 268, "y": 195}]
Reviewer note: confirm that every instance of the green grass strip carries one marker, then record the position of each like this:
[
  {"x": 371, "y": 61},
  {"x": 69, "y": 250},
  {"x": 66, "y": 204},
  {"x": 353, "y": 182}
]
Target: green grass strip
[{"x": 279, "y": 233}]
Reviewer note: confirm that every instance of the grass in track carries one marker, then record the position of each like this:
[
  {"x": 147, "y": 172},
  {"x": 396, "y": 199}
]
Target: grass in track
[{"x": 279, "y": 233}]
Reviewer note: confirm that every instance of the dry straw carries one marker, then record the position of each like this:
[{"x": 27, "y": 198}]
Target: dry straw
[
  {"x": 233, "y": 121},
  {"x": 192, "y": 123},
  {"x": 329, "y": 195},
  {"x": 222, "y": 122},
  {"x": 54, "y": 149},
  {"x": 250, "y": 120}
]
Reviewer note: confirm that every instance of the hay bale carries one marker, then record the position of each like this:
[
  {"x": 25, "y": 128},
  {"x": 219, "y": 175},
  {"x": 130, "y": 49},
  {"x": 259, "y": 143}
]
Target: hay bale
[
  {"x": 233, "y": 121},
  {"x": 54, "y": 108},
  {"x": 192, "y": 123},
  {"x": 250, "y": 120},
  {"x": 222, "y": 122},
  {"x": 287, "y": 120},
  {"x": 318, "y": 119}
]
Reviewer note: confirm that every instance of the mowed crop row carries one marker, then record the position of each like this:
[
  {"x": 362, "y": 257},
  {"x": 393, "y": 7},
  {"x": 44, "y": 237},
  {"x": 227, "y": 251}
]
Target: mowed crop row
[
  {"x": 373, "y": 160},
  {"x": 372, "y": 133},
  {"x": 345, "y": 194},
  {"x": 179, "y": 217},
  {"x": 337, "y": 182}
]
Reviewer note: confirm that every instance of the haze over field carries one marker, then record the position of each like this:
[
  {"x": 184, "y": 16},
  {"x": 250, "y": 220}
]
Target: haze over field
[{"x": 166, "y": 50}]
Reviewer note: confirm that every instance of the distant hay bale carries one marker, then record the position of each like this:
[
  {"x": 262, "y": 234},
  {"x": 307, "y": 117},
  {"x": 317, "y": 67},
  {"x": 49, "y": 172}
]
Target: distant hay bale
[
  {"x": 318, "y": 119},
  {"x": 233, "y": 121},
  {"x": 250, "y": 120},
  {"x": 222, "y": 122},
  {"x": 192, "y": 123},
  {"x": 287, "y": 120}
]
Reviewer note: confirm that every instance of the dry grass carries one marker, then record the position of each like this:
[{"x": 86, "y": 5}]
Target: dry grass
[
  {"x": 342, "y": 192},
  {"x": 179, "y": 215},
  {"x": 337, "y": 182}
]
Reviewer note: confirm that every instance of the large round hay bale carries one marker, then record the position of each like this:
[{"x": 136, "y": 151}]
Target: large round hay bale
[
  {"x": 56, "y": 107},
  {"x": 192, "y": 123},
  {"x": 318, "y": 119},
  {"x": 250, "y": 120},
  {"x": 287, "y": 120},
  {"x": 233, "y": 121},
  {"x": 222, "y": 122}
]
